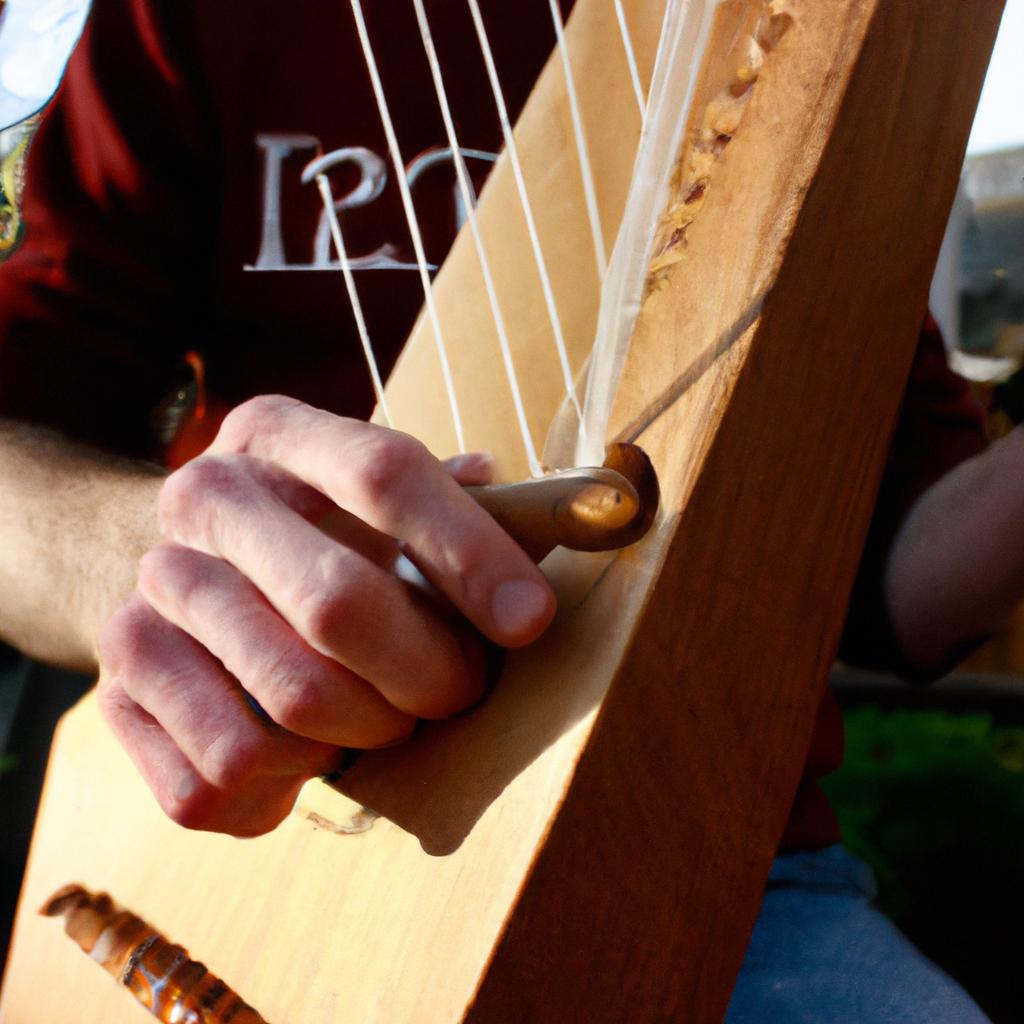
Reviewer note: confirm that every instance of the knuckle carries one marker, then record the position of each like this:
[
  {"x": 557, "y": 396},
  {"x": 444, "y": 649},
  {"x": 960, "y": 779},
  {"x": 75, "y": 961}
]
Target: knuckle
[
  {"x": 259, "y": 415},
  {"x": 277, "y": 667},
  {"x": 321, "y": 618},
  {"x": 196, "y": 481},
  {"x": 123, "y": 637},
  {"x": 154, "y": 567},
  {"x": 325, "y": 612},
  {"x": 451, "y": 680},
  {"x": 231, "y": 760},
  {"x": 168, "y": 568},
  {"x": 189, "y": 495},
  {"x": 297, "y": 705},
  {"x": 386, "y": 462},
  {"x": 244, "y": 811},
  {"x": 196, "y": 812},
  {"x": 114, "y": 703}
]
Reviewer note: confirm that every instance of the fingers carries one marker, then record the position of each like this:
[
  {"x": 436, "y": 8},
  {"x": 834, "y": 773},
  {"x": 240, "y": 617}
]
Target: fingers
[
  {"x": 181, "y": 793},
  {"x": 279, "y": 582},
  {"x": 390, "y": 481},
  {"x": 300, "y": 688},
  {"x": 338, "y": 603},
  {"x": 210, "y": 761}
]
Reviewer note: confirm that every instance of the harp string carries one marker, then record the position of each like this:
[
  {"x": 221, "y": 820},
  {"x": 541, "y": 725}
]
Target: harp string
[
  {"x": 350, "y": 287},
  {"x": 531, "y": 226},
  {"x": 582, "y": 153},
  {"x": 410, "y": 216},
  {"x": 469, "y": 203},
  {"x": 634, "y": 71},
  {"x": 685, "y": 29}
]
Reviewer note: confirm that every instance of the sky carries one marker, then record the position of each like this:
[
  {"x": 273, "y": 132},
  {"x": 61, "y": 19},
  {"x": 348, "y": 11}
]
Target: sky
[
  {"x": 1000, "y": 120},
  {"x": 36, "y": 39}
]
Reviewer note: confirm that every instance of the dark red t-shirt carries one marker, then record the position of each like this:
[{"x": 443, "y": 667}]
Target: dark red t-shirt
[
  {"x": 165, "y": 214},
  {"x": 170, "y": 163}
]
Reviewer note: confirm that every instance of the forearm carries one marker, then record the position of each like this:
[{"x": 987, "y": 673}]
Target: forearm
[
  {"x": 73, "y": 523},
  {"x": 956, "y": 570}
]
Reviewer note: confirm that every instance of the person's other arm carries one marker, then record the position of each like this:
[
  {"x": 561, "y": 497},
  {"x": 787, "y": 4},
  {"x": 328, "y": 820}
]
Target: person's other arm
[
  {"x": 956, "y": 570},
  {"x": 943, "y": 566}
]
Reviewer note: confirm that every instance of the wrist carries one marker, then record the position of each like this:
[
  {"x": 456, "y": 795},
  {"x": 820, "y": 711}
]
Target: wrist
[{"x": 125, "y": 530}]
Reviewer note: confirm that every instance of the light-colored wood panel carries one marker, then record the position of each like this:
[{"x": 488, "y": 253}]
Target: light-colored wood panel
[{"x": 552, "y": 173}]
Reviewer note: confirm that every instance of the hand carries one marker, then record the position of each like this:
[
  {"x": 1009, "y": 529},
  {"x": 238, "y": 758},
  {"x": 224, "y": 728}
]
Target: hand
[{"x": 250, "y": 596}]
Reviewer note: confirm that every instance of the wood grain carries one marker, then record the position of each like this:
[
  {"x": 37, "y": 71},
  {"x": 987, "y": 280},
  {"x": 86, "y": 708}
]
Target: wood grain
[{"x": 719, "y": 688}]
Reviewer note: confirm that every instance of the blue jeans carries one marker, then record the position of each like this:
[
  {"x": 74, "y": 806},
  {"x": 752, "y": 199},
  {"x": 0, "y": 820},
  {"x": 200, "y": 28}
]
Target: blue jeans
[{"x": 822, "y": 954}]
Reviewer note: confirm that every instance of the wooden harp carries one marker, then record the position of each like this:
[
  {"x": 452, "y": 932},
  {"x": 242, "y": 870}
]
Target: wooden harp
[{"x": 592, "y": 844}]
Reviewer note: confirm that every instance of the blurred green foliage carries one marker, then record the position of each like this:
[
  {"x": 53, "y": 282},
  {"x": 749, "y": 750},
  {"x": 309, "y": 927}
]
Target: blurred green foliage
[{"x": 934, "y": 801}]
